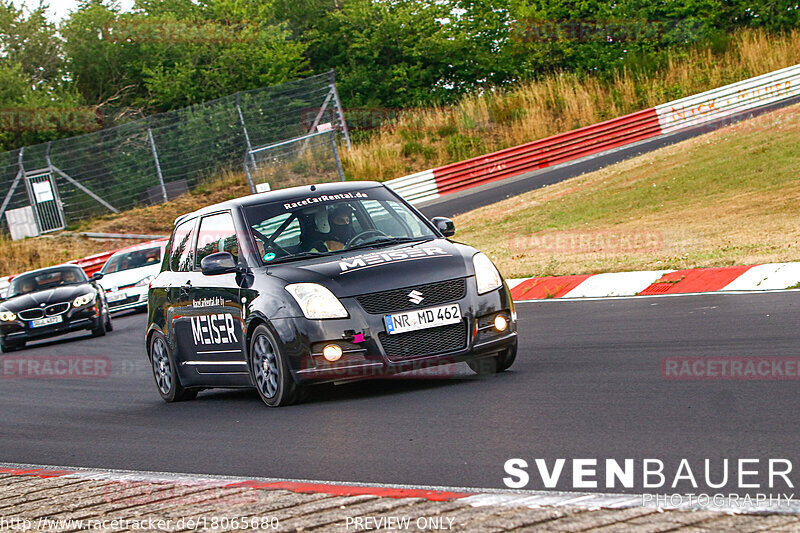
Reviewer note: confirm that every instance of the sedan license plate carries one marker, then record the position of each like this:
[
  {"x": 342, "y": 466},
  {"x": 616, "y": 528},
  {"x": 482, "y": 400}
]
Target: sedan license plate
[
  {"x": 39, "y": 322},
  {"x": 115, "y": 296},
  {"x": 422, "y": 319}
]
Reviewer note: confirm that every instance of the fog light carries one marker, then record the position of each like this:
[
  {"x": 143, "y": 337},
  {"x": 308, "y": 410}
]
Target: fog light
[
  {"x": 500, "y": 323},
  {"x": 332, "y": 352}
]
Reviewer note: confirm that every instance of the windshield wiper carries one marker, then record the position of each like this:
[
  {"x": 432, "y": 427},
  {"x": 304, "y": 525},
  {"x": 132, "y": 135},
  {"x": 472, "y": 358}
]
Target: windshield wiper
[
  {"x": 296, "y": 257},
  {"x": 389, "y": 240}
]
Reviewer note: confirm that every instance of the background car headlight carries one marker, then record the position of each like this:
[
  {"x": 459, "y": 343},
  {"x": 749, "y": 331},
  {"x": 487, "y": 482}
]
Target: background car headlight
[
  {"x": 145, "y": 281},
  {"x": 7, "y": 316},
  {"x": 316, "y": 301},
  {"x": 84, "y": 299},
  {"x": 486, "y": 274}
]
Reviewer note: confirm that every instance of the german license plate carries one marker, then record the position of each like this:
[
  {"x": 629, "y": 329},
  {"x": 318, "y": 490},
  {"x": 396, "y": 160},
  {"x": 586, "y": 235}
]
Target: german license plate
[
  {"x": 39, "y": 322},
  {"x": 115, "y": 296},
  {"x": 422, "y": 318}
]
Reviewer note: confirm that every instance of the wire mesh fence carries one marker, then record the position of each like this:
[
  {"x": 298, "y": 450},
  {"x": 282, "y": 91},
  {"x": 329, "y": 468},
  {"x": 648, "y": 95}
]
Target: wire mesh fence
[
  {"x": 154, "y": 159},
  {"x": 304, "y": 160}
]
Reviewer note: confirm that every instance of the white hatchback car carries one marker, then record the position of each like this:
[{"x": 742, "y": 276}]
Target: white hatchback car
[{"x": 127, "y": 275}]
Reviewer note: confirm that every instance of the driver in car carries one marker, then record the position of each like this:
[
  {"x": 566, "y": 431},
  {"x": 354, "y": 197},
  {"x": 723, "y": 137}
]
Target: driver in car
[{"x": 341, "y": 227}]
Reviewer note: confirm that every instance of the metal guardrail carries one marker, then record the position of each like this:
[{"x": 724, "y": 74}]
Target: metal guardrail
[{"x": 681, "y": 114}]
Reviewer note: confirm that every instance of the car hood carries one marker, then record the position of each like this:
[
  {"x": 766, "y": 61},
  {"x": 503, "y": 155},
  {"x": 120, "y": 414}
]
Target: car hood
[
  {"x": 47, "y": 296},
  {"x": 128, "y": 277},
  {"x": 371, "y": 270}
]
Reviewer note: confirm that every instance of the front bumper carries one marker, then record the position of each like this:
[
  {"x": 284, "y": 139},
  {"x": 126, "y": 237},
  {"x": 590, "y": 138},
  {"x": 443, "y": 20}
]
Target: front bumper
[
  {"x": 74, "y": 320},
  {"x": 381, "y": 354},
  {"x": 129, "y": 298}
]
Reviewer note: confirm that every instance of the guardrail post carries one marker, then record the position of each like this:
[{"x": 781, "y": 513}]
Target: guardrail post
[{"x": 155, "y": 158}]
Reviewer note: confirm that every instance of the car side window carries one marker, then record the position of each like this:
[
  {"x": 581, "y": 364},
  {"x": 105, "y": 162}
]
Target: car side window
[
  {"x": 217, "y": 234},
  {"x": 181, "y": 252},
  {"x": 390, "y": 220}
]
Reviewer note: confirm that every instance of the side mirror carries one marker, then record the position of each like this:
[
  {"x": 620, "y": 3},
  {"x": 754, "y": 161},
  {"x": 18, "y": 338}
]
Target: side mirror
[
  {"x": 97, "y": 276},
  {"x": 444, "y": 225},
  {"x": 218, "y": 263}
]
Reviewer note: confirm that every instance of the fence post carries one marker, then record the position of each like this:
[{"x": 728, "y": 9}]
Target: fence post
[
  {"x": 336, "y": 155},
  {"x": 20, "y": 174},
  {"x": 249, "y": 146},
  {"x": 339, "y": 110},
  {"x": 155, "y": 158}
]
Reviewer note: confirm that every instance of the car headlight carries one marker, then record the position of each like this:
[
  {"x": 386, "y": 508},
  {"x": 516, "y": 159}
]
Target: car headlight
[
  {"x": 7, "y": 316},
  {"x": 316, "y": 301},
  {"x": 486, "y": 274},
  {"x": 84, "y": 299},
  {"x": 145, "y": 281}
]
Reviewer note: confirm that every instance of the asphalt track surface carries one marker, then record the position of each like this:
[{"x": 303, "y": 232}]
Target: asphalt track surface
[{"x": 586, "y": 384}]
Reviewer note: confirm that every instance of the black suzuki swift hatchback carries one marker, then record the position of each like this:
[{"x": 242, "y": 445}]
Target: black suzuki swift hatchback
[{"x": 325, "y": 283}]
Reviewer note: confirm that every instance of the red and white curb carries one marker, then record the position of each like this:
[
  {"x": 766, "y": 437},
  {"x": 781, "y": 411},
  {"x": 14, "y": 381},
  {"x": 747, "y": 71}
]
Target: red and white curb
[
  {"x": 474, "y": 497},
  {"x": 735, "y": 279}
]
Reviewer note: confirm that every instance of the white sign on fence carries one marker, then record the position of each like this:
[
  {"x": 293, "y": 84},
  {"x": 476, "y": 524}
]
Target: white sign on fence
[{"x": 43, "y": 191}]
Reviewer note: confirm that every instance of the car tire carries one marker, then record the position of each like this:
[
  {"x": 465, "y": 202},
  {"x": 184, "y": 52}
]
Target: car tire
[
  {"x": 7, "y": 347},
  {"x": 487, "y": 366},
  {"x": 168, "y": 383},
  {"x": 507, "y": 358},
  {"x": 269, "y": 370},
  {"x": 100, "y": 329}
]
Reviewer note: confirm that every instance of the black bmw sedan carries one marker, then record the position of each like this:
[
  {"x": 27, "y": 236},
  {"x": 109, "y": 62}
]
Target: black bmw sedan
[
  {"x": 50, "y": 302},
  {"x": 321, "y": 283}
]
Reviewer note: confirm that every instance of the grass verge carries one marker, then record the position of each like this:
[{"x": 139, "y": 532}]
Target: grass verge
[{"x": 730, "y": 197}]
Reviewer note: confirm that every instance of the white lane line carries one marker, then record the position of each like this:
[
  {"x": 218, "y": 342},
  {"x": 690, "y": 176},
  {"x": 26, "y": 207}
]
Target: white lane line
[{"x": 727, "y": 293}]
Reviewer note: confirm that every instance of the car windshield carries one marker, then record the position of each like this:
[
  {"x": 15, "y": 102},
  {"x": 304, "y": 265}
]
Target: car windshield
[
  {"x": 323, "y": 224},
  {"x": 46, "y": 279},
  {"x": 132, "y": 259}
]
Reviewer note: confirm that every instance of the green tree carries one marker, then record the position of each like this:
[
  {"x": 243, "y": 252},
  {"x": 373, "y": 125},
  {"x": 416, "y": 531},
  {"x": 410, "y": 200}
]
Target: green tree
[
  {"x": 33, "y": 80},
  {"x": 167, "y": 54}
]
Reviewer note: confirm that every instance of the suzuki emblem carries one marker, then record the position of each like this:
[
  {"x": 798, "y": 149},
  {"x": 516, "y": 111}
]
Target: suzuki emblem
[{"x": 415, "y": 297}]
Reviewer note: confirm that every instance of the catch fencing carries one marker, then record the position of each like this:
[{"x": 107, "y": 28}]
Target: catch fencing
[{"x": 155, "y": 159}]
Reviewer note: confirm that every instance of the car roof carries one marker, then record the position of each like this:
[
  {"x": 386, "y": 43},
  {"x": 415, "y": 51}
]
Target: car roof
[
  {"x": 47, "y": 269},
  {"x": 158, "y": 243},
  {"x": 282, "y": 195}
]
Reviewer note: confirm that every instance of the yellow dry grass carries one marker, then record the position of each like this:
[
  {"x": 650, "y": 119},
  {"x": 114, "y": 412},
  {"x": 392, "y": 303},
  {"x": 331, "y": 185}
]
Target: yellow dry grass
[{"x": 427, "y": 138}]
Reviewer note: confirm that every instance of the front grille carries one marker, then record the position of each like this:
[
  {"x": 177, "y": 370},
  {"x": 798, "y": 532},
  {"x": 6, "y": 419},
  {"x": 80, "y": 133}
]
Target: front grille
[
  {"x": 56, "y": 309},
  {"x": 430, "y": 341},
  {"x": 397, "y": 300},
  {"x": 31, "y": 314},
  {"x": 128, "y": 300}
]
